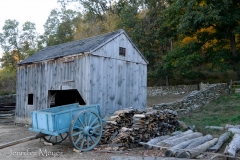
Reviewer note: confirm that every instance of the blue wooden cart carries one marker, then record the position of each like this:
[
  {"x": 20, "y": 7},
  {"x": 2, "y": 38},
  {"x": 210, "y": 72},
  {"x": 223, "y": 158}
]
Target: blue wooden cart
[{"x": 82, "y": 123}]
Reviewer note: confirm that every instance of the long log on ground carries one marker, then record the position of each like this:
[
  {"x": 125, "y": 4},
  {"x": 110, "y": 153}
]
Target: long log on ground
[
  {"x": 154, "y": 141},
  {"x": 234, "y": 130},
  {"x": 198, "y": 150},
  {"x": 175, "y": 137},
  {"x": 220, "y": 142},
  {"x": 232, "y": 126},
  {"x": 175, "y": 149},
  {"x": 180, "y": 139},
  {"x": 176, "y": 133},
  {"x": 204, "y": 139},
  {"x": 233, "y": 146},
  {"x": 215, "y": 127},
  {"x": 197, "y": 142}
]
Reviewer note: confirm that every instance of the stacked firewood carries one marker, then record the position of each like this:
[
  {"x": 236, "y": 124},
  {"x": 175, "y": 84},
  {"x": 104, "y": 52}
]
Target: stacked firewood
[{"x": 133, "y": 126}]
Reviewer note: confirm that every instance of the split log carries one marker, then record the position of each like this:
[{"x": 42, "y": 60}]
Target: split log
[
  {"x": 145, "y": 125},
  {"x": 233, "y": 146},
  {"x": 220, "y": 142},
  {"x": 198, "y": 150},
  {"x": 180, "y": 139},
  {"x": 215, "y": 127},
  {"x": 154, "y": 141},
  {"x": 175, "y": 149},
  {"x": 234, "y": 130},
  {"x": 232, "y": 126}
]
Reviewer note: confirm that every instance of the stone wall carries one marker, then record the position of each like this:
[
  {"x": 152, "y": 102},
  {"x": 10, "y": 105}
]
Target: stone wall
[
  {"x": 196, "y": 99},
  {"x": 170, "y": 90},
  {"x": 8, "y": 99}
]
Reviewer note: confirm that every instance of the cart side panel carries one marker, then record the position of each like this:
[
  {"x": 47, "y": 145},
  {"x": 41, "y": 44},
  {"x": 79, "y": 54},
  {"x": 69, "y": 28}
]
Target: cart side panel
[
  {"x": 63, "y": 121},
  {"x": 43, "y": 121}
]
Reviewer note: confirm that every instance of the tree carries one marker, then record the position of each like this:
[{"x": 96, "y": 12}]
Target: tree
[
  {"x": 189, "y": 17},
  {"x": 10, "y": 37},
  {"x": 59, "y": 27},
  {"x": 17, "y": 44}
]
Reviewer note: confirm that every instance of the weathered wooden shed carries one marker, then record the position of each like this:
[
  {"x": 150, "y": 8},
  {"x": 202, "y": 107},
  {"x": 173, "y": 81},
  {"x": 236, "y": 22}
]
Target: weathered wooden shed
[{"x": 107, "y": 69}]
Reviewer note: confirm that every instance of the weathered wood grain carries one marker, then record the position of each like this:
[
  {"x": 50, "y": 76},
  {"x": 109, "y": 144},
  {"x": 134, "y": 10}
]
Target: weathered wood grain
[{"x": 100, "y": 76}]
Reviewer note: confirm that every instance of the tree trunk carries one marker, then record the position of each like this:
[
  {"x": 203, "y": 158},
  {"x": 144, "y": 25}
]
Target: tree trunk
[
  {"x": 234, "y": 145},
  {"x": 198, "y": 142},
  {"x": 154, "y": 141},
  {"x": 215, "y": 127},
  {"x": 234, "y": 55},
  {"x": 175, "y": 149},
  {"x": 220, "y": 142},
  {"x": 234, "y": 130},
  {"x": 180, "y": 139},
  {"x": 174, "y": 137},
  {"x": 176, "y": 133},
  {"x": 232, "y": 126},
  {"x": 206, "y": 138},
  {"x": 197, "y": 150},
  {"x": 167, "y": 80}
]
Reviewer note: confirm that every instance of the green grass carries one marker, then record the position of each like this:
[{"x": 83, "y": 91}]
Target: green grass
[{"x": 219, "y": 112}]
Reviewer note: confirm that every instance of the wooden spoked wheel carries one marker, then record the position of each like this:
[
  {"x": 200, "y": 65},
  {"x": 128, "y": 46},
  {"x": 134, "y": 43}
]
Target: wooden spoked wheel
[
  {"x": 55, "y": 139},
  {"x": 85, "y": 130}
]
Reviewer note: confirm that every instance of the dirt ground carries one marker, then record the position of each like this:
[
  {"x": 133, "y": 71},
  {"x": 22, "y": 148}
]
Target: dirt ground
[{"x": 36, "y": 149}]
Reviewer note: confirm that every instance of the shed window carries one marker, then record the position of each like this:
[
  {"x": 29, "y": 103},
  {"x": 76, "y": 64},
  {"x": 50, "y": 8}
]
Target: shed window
[
  {"x": 122, "y": 51},
  {"x": 30, "y": 99}
]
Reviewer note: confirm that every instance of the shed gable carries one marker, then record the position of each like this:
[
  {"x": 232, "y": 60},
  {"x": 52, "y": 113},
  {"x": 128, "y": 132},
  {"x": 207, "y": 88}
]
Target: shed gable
[{"x": 113, "y": 47}]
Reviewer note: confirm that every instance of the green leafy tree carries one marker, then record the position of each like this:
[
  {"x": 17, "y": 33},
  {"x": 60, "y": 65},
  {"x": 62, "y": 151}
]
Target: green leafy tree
[
  {"x": 59, "y": 27},
  {"x": 189, "y": 17},
  {"x": 16, "y": 43}
]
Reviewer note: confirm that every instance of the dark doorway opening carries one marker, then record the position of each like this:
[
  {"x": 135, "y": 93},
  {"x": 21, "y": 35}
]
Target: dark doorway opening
[{"x": 63, "y": 97}]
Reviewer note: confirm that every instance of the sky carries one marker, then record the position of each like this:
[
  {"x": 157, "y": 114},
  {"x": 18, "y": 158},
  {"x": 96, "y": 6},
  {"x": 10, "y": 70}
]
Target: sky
[{"x": 36, "y": 11}]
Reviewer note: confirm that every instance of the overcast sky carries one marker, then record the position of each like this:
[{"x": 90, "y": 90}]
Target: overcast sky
[{"x": 35, "y": 11}]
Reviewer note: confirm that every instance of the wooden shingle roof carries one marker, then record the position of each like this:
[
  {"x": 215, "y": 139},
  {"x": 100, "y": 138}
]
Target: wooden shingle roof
[{"x": 72, "y": 48}]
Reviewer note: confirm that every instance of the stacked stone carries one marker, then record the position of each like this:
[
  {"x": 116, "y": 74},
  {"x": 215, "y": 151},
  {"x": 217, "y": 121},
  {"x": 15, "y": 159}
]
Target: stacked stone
[{"x": 195, "y": 99}]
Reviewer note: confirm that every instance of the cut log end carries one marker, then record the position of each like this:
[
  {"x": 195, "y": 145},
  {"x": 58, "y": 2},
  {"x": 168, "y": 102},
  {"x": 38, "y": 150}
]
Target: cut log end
[
  {"x": 184, "y": 155},
  {"x": 147, "y": 147},
  {"x": 168, "y": 153}
]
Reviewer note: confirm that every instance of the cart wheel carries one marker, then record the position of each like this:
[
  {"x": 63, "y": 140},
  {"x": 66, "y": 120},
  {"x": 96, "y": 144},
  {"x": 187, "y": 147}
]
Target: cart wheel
[
  {"x": 85, "y": 130},
  {"x": 55, "y": 139}
]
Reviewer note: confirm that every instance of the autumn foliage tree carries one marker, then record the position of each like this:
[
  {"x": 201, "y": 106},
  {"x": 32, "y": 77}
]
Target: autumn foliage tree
[{"x": 190, "y": 17}]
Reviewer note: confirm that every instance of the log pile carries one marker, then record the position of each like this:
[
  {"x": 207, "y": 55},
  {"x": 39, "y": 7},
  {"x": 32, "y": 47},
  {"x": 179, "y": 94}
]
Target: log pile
[
  {"x": 133, "y": 126},
  {"x": 191, "y": 144},
  {"x": 7, "y": 112}
]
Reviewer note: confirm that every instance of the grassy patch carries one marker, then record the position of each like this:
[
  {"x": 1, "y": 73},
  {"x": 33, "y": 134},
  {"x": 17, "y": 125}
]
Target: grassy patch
[{"x": 219, "y": 112}]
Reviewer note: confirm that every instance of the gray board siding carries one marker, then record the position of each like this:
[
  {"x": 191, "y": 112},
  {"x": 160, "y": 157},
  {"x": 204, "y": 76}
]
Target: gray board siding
[
  {"x": 117, "y": 84},
  {"x": 101, "y": 76},
  {"x": 39, "y": 78}
]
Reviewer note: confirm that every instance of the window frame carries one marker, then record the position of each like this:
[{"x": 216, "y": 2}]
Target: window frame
[{"x": 122, "y": 51}]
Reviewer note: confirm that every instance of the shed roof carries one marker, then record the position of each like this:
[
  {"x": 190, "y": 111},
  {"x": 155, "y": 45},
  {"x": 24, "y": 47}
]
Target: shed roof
[{"x": 74, "y": 47}]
